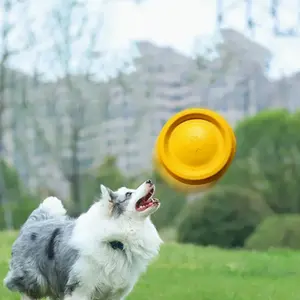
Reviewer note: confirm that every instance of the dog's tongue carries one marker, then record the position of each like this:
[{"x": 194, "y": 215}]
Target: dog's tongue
[{"x": 147, "y": 199}]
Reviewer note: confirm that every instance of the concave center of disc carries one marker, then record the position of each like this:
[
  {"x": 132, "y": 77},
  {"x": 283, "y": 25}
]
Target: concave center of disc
[{"x": 195, "y": 142}]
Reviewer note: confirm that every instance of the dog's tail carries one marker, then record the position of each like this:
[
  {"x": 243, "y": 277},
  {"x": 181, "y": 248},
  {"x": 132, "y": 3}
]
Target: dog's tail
[{"x": 50, "y": 208}]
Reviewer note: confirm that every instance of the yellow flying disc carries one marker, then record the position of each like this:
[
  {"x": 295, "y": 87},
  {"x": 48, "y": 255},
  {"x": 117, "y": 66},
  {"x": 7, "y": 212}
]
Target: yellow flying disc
[{"x": 194, "y": 149}]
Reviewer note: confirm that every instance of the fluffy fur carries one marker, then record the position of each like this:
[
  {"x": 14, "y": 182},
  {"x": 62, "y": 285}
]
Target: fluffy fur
[{"x": 62, "y": 258}]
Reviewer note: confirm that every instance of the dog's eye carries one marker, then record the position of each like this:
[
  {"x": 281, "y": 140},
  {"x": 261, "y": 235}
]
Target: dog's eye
[{"x": 128, "y": 194}]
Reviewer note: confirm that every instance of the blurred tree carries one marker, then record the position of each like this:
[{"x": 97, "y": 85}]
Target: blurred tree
[
  {"x": 267, "y": 161},
  {"x": 66, "y": 36},
  {"x": 10, "y": 11},
  {"x": 279, "y": 231},
  {"x": 75, "y": 104},
  {"x": 19, "y": 200},
  {"x": 78, "y": 104}
]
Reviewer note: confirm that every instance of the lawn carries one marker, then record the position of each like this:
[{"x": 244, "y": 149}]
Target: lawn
[{"x": 189, "y": 272}]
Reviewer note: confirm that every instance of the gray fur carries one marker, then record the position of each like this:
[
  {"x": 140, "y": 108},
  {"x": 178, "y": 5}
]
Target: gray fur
[
  {"x": 42, "y": 259},
  {"x": 120, "y": 200}
]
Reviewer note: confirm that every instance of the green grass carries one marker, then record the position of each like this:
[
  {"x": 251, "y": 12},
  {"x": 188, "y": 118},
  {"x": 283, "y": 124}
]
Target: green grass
[{"x": 189, "y": 272}]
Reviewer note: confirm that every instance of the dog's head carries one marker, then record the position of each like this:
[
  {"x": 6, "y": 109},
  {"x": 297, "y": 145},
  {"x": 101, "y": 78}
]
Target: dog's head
[{"x": 139, "y": 203}]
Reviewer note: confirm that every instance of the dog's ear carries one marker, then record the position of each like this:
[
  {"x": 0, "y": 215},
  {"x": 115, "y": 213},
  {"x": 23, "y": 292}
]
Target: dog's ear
[{"x": 107, "y": 193}]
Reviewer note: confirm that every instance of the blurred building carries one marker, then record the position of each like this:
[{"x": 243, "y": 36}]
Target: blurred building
[
  {"x": 142, "y": 102},
  {"x": 166, "y": 82}
]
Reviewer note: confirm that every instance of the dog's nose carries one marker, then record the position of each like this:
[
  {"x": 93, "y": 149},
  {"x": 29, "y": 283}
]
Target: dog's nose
[{"x": 149, "y": 181}]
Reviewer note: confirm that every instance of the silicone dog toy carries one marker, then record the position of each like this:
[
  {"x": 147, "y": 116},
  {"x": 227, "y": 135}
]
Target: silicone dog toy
[{"x": 194, "y": 149}]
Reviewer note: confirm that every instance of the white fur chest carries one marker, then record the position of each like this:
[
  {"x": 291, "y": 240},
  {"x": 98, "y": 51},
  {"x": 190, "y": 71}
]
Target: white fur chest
[
  {"x": 108, "y": 276},
  {"x": 111, "y": 273}
]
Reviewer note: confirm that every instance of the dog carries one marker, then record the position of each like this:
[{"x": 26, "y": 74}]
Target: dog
[{"x": 100, "y": 255}]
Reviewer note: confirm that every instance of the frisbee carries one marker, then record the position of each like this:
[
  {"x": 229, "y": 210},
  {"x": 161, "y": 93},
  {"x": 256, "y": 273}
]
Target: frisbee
[{"x": 194, "y": 149}]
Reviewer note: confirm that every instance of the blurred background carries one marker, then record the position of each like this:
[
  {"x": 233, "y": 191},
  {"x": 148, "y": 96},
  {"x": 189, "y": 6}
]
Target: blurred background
[{"x": 86, "y": 86}]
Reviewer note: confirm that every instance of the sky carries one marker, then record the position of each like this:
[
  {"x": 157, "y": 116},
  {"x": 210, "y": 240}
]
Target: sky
[{"x": 177, "y": 23}]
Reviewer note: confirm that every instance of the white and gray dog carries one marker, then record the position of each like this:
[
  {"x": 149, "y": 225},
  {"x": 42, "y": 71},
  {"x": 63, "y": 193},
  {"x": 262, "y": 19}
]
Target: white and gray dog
[{"x": 98, "y": 256}]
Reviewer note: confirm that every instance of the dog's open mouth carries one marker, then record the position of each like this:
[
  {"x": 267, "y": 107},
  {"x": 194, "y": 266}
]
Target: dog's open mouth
[{"x": 147, "y": 201}]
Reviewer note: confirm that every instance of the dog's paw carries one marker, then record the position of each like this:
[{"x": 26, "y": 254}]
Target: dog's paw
[{"x": 53, "y": 206}]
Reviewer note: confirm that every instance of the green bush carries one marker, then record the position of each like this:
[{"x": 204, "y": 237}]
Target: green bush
[
  {"x": 267, "y": 159},
  {"x": 19, "y": 210},
  {"x": 278, "y": 231},
  {"x": 223, "y": 217},
  {"x": 19, "y": 201}
]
